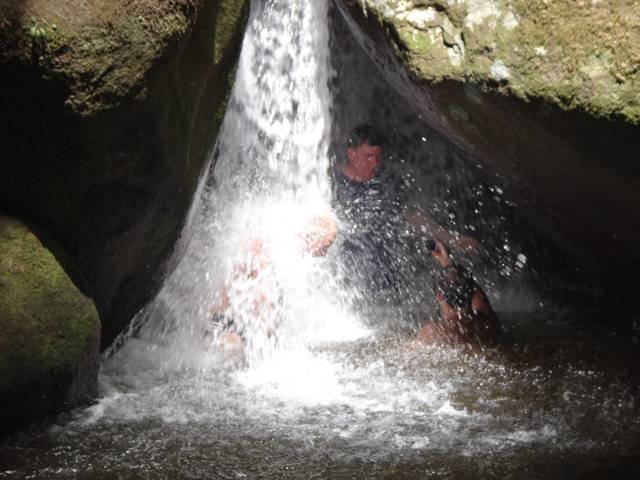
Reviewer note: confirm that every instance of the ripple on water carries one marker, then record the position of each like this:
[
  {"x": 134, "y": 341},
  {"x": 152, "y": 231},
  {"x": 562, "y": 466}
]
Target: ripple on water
[{"x": 376, "y": 405}]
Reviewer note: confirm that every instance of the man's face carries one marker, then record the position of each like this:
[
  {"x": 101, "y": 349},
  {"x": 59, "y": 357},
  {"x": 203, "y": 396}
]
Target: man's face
[{"x": 365, "y": 159}]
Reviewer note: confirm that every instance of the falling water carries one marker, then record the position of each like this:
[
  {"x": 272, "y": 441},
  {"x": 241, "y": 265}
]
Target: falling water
[
  {"x": 268, "y": 178},
  {"x": 326, "y": 397},
  {"x": 275, "y": 136}
]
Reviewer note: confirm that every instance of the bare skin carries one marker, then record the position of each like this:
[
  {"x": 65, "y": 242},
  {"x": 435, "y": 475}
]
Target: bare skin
[
  {"x": 231, "y": 343},
  {"x": 315, "y": 240},
  {"x": 463, "y": 242},
  {"x": 319, "y": 235},
  {"x": 461, "y": 326},
  {"x": 476, "y": 325},
  {"x": 363, "y": 162}
]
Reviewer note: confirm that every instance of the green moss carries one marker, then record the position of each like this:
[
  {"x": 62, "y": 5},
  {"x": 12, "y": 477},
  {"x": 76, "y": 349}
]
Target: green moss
[
  {"x": 428, "y": 58},
  {"x": 418, "y": 42},
  {"x": 230, "y": 16},
  {"x": 47, "y": 324},
  {"x": 580, "y": 55},
  {"x": 229, "y": 25},
  {"x": 585, "y": 57}
]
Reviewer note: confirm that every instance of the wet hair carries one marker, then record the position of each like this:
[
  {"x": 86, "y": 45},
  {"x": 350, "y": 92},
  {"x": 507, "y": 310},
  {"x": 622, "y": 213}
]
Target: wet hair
[
  {"x": 456, "y": 288},
  {"x": 365, "y": 134}
]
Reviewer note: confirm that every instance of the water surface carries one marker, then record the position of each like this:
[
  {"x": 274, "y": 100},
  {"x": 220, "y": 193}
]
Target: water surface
[{"x": 373, "y": 406}]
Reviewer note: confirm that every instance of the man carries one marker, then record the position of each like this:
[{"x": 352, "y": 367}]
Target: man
[
  {"x": 249, "y": 307},
  {"x": 371, "y": 203},
  {"x": 466, "y": 316}
]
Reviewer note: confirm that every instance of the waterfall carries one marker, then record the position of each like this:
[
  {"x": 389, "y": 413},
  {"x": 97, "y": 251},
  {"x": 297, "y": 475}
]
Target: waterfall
[
  {"x": 275, "y": 135},
  {"x": 268, "y": 177}
]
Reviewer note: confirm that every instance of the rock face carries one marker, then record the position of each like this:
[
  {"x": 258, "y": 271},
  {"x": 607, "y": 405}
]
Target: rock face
[
  {"x": 109, "y": 114},
  {"x": 49, "y": 347},
  {"x": 544, "y": 95}
]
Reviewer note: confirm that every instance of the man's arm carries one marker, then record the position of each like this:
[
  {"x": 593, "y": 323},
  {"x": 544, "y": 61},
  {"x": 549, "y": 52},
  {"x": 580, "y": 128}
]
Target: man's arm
[
  {"x": 319, "y": 234},
  {"x": 480, "y": 303},
  {"x": 465, "y": 243},
  {"x": 442, "y": 255}
]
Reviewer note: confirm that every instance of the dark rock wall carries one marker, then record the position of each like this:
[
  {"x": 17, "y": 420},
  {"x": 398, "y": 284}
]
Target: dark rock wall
[
  {"x": 570, "y": 171},
  {"x": 442, "y": 179},
  {"x": 109, "y": 115}
]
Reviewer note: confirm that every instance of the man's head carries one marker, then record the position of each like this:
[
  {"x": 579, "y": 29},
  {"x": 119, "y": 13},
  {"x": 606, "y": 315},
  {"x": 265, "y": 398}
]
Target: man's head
[{"x": 364, "y": 148}]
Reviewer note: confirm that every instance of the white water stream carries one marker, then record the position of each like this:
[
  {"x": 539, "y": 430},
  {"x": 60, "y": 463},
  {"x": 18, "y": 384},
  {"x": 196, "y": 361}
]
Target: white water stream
[{"x": 269, "y": 178}]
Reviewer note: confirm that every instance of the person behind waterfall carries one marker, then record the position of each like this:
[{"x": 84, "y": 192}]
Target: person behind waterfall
[
  {"x": 250, "y": 302},
  {"x": 466, "y": 316},
  {"x": 371, "y": 203}
]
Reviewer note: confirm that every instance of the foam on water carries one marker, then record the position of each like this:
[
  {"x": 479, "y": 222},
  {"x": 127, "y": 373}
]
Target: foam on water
[{"x": 353, "y": 404}]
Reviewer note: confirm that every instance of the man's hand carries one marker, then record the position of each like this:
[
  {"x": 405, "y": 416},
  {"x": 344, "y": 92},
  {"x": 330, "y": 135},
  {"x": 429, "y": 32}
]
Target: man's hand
[
  {"x": 441, "y": 254},
  {"x": 319, "y": 234},
  {"x": 465, "y": 243},
  {"x": 468, "y": 244}
]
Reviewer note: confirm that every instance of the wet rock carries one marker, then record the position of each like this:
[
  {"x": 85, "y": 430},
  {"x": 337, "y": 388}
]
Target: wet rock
[
  {"x": 109, "y": 115},
  {"x": 49, "y": 347},
  {"x": 545, "y": 96}
]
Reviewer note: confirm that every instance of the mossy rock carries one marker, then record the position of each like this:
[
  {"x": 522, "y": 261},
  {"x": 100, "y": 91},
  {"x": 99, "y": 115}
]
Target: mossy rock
[
  {"x": 110, "y": 115},
  {"x": 575, "y": 55},
  {"x": 50, "y": 331}
]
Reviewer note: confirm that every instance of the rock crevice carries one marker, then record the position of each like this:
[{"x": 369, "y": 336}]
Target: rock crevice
[{"x": 542, "y": 95}]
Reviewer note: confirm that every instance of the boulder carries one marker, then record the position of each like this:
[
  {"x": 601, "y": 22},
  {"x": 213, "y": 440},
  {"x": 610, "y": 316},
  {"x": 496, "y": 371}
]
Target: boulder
[
  {"x": 543, "y": 95},
  {"x": 49, "y": 347},
  {"x": 110, "y": 111}
]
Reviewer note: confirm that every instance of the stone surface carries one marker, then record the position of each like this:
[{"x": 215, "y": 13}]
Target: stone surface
[
  {"x": 543, "y": 95},
  {"x": 577, "y": 55},
  {"x": 110, "y": 111},
  {"x": 49, "y": 346}
]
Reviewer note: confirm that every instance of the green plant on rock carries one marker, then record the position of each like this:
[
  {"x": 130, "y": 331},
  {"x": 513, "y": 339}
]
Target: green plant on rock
[{"x": 41, "y": 35}]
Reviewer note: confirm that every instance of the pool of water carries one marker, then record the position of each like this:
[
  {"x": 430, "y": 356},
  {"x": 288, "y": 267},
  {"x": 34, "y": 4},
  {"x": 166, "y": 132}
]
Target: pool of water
[{"x": 372, "y": 405}]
